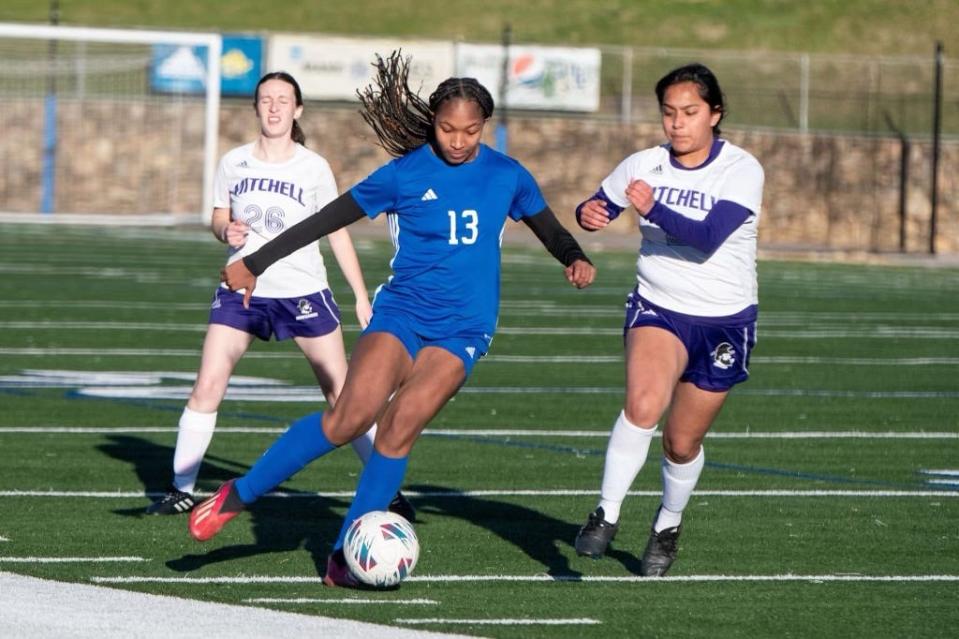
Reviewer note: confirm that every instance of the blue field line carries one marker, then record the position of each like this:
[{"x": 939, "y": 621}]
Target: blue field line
[
  {"x": 18, "y": 392},
  {"x": 740, "y": 468}
]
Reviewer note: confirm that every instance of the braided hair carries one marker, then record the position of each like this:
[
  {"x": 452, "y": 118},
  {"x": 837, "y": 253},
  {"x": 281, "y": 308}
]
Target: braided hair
[{"x": 401, "y": 119}]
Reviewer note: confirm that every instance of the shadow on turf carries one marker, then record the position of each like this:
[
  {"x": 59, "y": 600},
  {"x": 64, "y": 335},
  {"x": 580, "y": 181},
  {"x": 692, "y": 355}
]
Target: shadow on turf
[
  {"x": 278, "y": 525},
  {"x": 539, "y": 536},
  {"x": 283, "y": 525}
]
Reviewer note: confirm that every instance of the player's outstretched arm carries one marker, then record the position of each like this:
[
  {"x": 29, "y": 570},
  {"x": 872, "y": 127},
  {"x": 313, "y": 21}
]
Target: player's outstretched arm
[
  {"x": 580, "y": 272},
  {"x": 345, "y": 254},
  {"x": 243, "y": 273}
]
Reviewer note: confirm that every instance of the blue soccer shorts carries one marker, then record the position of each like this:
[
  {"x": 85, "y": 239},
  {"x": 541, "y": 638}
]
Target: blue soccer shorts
[{"x": 469, "y": 348}]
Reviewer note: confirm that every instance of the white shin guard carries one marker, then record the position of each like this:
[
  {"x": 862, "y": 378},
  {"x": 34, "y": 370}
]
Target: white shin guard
[
  {"x": 192, "y": 440},
  {"x": 625, "y": 456}
]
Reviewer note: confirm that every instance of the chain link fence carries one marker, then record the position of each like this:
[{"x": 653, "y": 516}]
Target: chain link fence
[{"x": 885, "y": 95}]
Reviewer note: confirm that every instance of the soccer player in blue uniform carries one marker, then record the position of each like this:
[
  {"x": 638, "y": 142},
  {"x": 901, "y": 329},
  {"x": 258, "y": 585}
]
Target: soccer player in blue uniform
[
  {"x": 448, "y": 198},
  {"x": 261, "y": 189}
]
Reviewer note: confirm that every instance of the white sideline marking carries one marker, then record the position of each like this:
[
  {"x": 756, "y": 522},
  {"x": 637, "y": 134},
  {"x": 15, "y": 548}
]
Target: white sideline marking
[
  {"x": 688, "y": 578},
  {"x": 308, "y": 600},
  {"x": 506, "y": 432},
  {"x": 945, "y": 473},
  {"x": 40, "y": 608},
  {"x": 510, "y": 359},
  {"x": 510, "y": 493},
  {"x": 68, "y": 560},
  {"x": 504, "y": 622},
  {"x": 267, "y": 579}
]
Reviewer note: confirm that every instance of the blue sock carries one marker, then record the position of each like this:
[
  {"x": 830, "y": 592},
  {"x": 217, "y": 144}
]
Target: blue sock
[
  {"x": 381, "y": 478},
  {"x": 303, "y": 442}
]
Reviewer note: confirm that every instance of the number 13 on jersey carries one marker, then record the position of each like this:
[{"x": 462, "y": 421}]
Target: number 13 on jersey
[{"x": 464, "y": 227}]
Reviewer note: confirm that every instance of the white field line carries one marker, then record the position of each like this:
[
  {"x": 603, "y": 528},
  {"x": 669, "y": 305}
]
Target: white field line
[
  {"x": 501, "y": 359},
  {"x": 508, "y": 307},
  {"x": 3, "y": 538},
  {"x": 147, "y": 386},
  {"x": 308, "y": 600},
  {"x": 581, "y": 621},
  {"x": 944, "y": 473},
  {"x": 69, "y": 560},
  {"x": 267, "y": 579},
  {"x": 312, "y": 394},
  {"x": 92, "y": 494},
  {"x": 838, "y": 332},
  {"x": 527, "y": 307},
  {"x": 503, "y": 432}
]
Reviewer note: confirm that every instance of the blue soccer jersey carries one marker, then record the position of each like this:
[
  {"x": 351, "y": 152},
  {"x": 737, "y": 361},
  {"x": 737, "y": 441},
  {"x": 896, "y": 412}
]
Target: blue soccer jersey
[{"x": 447, "y": 222}]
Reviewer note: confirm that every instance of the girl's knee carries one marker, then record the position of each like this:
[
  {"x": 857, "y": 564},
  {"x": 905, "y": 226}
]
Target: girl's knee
[
  {"x": 681, "y": 450},
  {"x": 644, "y": 409}
]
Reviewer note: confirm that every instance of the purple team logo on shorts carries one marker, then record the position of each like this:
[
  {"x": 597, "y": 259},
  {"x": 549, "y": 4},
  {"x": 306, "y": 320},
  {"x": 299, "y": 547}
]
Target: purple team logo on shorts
[
  {"x": 312, "y": 315},
  {"x": 724, "y": 356},
  {"x": 305, "y": 310}
]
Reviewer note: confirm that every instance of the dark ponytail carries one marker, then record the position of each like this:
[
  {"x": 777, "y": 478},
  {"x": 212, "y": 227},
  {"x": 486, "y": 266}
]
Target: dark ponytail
[
  {"x": 297, "y": 132},
  {"x": 706, "y": 83},
  {"x": 401, "y": 119}
]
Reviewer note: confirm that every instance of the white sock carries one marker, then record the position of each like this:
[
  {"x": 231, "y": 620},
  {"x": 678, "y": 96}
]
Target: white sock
[
  {"x": 679, "y": 480},
  {"x": 363, "y": 445},
  {"x": 192, "y": 440},
  {"x": 625, "y": 456}
]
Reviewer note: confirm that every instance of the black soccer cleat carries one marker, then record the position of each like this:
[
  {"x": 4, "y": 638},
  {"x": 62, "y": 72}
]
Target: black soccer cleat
[
  {"x": 175, "y": 502},
  {"x": 402, "y": 507},
  {"x": 594, "y": 537},
  {"x": 660, "y": 551}
]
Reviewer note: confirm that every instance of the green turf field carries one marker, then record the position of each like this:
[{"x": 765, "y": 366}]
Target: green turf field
[{"x": 814, "y": 516}]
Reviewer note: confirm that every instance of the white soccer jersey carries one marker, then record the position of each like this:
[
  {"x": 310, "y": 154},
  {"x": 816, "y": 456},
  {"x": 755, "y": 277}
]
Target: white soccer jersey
[
  {"x": 271, "y": 198},
  {"x": 675, "y": 275}
]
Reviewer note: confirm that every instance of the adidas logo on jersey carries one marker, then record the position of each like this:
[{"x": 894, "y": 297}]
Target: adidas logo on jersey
[
  {"x": 243, "y": 165},
  {"x": 657, "y": 170},
  {"x": 429, "y": 195}
]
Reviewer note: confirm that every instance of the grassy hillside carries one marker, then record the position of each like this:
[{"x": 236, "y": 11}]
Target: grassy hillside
[{"x": 851, "y": 26}]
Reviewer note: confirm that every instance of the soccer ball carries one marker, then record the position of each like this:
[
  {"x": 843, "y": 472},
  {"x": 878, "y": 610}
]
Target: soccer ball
[{"x": 381, "y": 549}]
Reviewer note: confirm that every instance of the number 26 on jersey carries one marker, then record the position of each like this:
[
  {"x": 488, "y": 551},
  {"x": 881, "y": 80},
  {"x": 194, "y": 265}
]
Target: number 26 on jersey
[{"x": 464, "y": 227}]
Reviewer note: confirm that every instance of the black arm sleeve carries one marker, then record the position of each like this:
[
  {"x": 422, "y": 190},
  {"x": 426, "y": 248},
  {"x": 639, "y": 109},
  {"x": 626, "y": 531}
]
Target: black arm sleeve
[
  {"x": 339, "y": 213},
  {"x": 554, "y": 237}
]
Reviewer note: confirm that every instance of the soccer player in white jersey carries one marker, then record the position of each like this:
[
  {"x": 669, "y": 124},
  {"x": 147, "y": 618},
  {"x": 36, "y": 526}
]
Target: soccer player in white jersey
[
  {"x": 691, "y": 319},
  {"x": 260, "y": 190}
]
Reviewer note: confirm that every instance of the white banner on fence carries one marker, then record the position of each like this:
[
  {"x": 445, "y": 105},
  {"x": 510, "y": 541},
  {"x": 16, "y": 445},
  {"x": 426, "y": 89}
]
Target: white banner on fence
[
  {"x": 330, "y": 68},
  {"x": 551, "y": 78}
]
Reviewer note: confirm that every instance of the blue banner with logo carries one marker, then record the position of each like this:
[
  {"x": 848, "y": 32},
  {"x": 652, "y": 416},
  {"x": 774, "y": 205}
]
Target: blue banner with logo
[
  {"x": 178, "y": 68},
  {"x": 241, "y": 65},
  {"x": 182, "y": 68}
]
